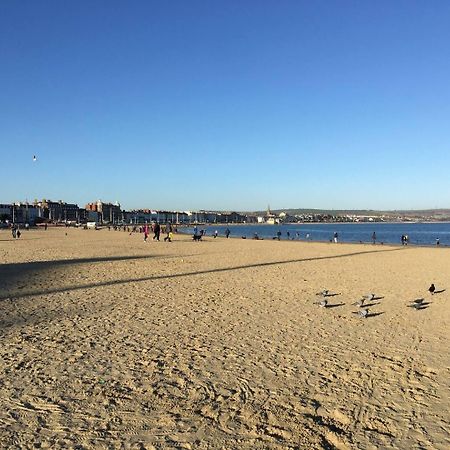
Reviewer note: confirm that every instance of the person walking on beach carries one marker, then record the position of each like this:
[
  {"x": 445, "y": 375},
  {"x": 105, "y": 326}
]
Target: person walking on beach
[
  {"x": 374, "y": 237},
  {"x": 278, "y": 234},
  {"x": 216, "y": 233},
  {"x": 145, "y": 233},
  {"x": 335, "y": 237},
  {"x": 227, "y": 233},
  {"x": 169, "y": 232},
  {"x": 157, "y": 231}
]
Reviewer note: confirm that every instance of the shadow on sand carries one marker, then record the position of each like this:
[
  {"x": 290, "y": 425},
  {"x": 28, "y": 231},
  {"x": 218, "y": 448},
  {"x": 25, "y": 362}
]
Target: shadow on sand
[{"x": 24, "y": 269}]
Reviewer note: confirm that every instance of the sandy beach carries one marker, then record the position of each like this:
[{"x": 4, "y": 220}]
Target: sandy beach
[{"x": 108, "y": 342}]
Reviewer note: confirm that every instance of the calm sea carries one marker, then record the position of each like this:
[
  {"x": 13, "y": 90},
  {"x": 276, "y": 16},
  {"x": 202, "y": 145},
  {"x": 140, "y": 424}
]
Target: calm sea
[{"x": 388, "y": 233}]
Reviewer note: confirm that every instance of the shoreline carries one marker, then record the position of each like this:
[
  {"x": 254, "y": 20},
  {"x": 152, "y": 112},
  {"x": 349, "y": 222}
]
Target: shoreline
[
  {"x": 306, "y": 241},
  {"x": 184, "y": 231}
]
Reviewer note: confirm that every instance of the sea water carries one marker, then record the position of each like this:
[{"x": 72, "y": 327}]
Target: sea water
[{"x": 387, "y": 233}]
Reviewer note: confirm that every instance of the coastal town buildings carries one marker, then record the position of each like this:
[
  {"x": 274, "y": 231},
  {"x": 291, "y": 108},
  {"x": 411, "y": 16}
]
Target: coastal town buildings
[
  {"x": 5, "y": 211},
  {"x": 269, "y": 218},
  {"x": 58, "y": 211},
  {"x": 100, "y": 212},
  {"x": 107, "y": 212}
]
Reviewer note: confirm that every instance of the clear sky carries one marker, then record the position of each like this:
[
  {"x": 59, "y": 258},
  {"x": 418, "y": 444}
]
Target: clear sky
[{"x": 227, "y": 105}]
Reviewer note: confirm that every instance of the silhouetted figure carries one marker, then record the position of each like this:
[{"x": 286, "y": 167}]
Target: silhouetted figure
[
  {"x": 157, "y": 231},
  {"x": 227, "y": 233},
  {"x": 432, "y": 288},
  {"x": 198, "y": 236}
]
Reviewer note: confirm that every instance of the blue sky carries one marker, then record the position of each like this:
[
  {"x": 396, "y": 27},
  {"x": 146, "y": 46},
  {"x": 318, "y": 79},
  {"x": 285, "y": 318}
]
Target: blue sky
[{"x": 227, "y": 105}]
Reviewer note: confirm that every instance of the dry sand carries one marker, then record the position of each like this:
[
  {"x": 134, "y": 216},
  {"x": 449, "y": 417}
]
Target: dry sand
[{"x": 110, "y": 342}]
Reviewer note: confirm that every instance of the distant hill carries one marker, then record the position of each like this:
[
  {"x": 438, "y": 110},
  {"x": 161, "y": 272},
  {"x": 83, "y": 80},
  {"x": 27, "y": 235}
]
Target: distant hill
[{"x": 359, "y": 212}]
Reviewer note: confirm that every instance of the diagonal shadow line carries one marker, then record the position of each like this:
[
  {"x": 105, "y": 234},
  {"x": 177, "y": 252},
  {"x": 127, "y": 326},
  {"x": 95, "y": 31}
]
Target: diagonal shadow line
[
  {"x": 21, "y": 239},
  {"x": 41, "y": 265},
  {"x": 185, "y": 274}
]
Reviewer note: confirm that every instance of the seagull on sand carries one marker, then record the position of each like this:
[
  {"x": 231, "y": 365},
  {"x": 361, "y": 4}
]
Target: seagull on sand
[
  {"x": 359, "y": 302},
  {"x": 369, "y": 296},
  {"x": 323, "y": 293},
  {"x": 418, "y": 301},
  {"x": 432, "y": 288},
  {"x": 417, "y": 306},
  {"x": 322, "y": 304},
  {"x": 363, "y": 313}
]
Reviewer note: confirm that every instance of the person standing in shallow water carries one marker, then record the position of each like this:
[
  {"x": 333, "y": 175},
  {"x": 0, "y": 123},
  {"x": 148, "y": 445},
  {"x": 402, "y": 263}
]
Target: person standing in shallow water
[
  {"x": 374, "y": 237},
  {"x": 227, "y": 233}
]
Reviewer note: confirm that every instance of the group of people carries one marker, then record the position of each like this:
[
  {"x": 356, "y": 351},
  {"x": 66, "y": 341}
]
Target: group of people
[
  {"x": 157, "y": 229},
  {"x": 154, "y": 228},
  {"x": 198, "y": 234}
]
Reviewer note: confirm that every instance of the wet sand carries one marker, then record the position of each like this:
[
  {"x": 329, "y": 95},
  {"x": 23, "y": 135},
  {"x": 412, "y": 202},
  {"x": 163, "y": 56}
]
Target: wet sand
[{"x": 110, "y": 342}]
